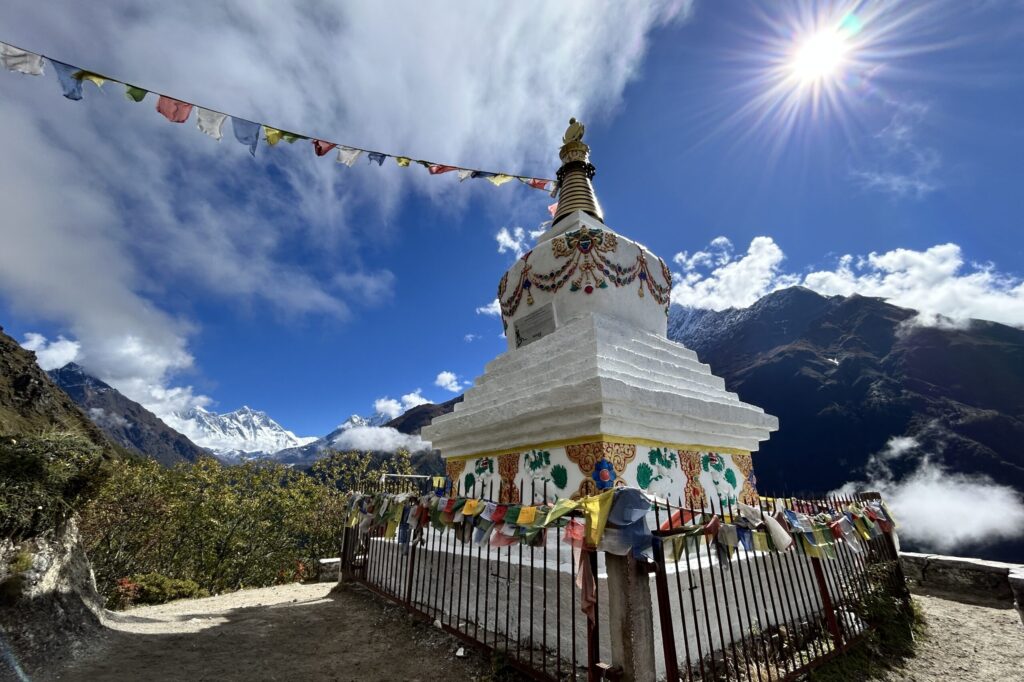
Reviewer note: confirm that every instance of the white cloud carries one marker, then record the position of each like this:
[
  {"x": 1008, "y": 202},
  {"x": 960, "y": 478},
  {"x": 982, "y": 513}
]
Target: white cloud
[
  {"x": 449, "y": 381},
  {"x": 518, "y": 240},
  {"x": 941, "y": 511},
  {"x": 107, "y": 206},
  {"x": 392, "y": 408},
  {"x": 937, "y": 282},
  {"x": 493, "y": 309},
  {"x": 470, "y": 338},
  {"x": 51, "y": 354},
  {"x": 108, "y": 419},
  {"x": 379, "y": 438},
  {"x": 735, "y": 282},
  {"x": 905, "y": 167}
]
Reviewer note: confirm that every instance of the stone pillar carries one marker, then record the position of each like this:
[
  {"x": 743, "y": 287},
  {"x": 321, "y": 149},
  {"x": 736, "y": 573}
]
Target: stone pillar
[{"x": 630, "y": 618}]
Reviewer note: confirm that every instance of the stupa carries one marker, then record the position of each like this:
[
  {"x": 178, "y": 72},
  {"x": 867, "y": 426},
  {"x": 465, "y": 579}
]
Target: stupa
[{"x": 591, "y": 392}]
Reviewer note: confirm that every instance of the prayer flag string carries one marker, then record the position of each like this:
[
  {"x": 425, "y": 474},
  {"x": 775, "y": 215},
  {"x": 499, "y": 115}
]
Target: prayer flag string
[{"x": 211, "y": 121}]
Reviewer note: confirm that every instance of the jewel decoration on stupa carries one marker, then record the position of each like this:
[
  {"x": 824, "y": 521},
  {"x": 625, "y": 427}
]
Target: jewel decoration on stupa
[{"x": 591, "y": 393}]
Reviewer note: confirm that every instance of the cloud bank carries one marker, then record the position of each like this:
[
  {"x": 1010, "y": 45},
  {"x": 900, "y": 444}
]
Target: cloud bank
[
  {"x": 379, "y": 438},
  {"x": 938, "y": 282},
  {"x": 392, "y": 408},
  {"x": 941, "y": 511},
  {"x": 115, "y": 220},
  {"x": 51, "y": 354}
]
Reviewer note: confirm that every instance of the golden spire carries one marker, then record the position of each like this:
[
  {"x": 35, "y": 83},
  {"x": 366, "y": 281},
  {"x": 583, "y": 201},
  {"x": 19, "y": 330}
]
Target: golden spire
[{"x": 575, "y": 193}]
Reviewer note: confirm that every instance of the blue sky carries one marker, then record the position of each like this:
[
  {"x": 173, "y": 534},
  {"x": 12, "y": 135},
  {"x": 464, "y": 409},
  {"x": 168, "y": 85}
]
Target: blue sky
[{"x": 184, "y": 272}]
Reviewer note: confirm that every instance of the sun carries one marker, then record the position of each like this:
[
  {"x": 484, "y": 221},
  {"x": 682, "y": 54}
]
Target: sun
[{"x": 820, "y": 57}]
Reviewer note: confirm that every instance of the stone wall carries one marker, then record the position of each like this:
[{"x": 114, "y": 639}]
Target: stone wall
[{"x": 989, "y": 583}]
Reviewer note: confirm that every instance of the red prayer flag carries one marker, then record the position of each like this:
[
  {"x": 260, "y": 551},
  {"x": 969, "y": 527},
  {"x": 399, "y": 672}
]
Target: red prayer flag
[
  {"x": 437, "y": 169},
  {"x": 173, "y": 110},
  {"x": 537, "y": 183},
  {"x": 322, "y": 147},
  {"x": 499, "y": 513},
  {"x": 552, "y": 208}
]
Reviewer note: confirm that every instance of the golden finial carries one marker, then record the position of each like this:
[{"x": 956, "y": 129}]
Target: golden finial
[{"x": 575, "y": 193}]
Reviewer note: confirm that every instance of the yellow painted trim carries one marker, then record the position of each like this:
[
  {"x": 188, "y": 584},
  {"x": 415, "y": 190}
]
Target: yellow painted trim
[{"x": 547, "y": 445}]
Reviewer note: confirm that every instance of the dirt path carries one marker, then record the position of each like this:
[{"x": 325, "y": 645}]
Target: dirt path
[
  {"x": 966, "y": 643},
  {"x": 290, "y": 632},
  {"x": 302, "y": 632}
]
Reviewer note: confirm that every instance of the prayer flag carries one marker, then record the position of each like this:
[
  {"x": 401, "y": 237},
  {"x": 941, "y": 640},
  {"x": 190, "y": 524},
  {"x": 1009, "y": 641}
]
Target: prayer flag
[
  {"x": 728, "y": 536},
  {"x": 780, "y": 537},
  {"x": 472, "y": 507},
  {"x": 746, "y": 537},
  {"x": 437, "y": 169},
  {"x": 321, "y": 147},
  {"x": 71, "y": 86},
  {"x": 711, "y": 527},
  {"x": 481, "y": 174},
  {"x": 553, "y": 208},
  {"x": 597, "y": 509},
  {"x": 246, "y": 132},
  {"x": 93, "y": 78},
  {"x": 512, "y": 515},
  {"x": 498, "y": 515},
  {"x": 20, "y": 61},
  {"x": 527, "y": 515},
  {"x": 760, "y": 541},
  {"x": 536, "y": 183},
  {"x": 272, "y": 135},
  {"x": 134, "y": 94},
  {"x": 561, "y": 508},
  {"x": 403, "y": 161},
  {"x": 376, "y": 157},
  {"x": 499, "y": 179},
  {"x": 173, "y": 110},
  {"x": 464, "y": 173},
  {"x": 678, "y": 518},
  {"x": 348, "y": 156}
]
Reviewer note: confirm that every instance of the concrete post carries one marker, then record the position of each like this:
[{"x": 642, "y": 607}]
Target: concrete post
[{"x": 630, "y": 618}]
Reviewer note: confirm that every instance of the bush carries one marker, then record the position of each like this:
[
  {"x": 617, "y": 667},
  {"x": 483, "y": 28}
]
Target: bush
[
  {"x": 153, "y": 588},
  {"x": 44, "y": 479},
  {"x": 220, "y": 527}
]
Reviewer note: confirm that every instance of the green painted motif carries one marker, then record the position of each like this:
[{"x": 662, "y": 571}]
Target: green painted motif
[
  {"x": 538, "y": 464},
  {"x": 657, "y": 467},
  {"x": 716, "y": 465}
]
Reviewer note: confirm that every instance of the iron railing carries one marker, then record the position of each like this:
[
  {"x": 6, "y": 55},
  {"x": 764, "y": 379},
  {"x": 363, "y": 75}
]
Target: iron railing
[
  {"x": 521, "y": 601},
  {"x": 749, "y": 614}
]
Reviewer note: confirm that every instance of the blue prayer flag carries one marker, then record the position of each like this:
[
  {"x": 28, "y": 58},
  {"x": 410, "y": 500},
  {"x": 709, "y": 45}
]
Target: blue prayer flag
[
  {"x": 481, "y": 174},
  {"x": 246, "y": 132},
  {"x": 377, "y": 156},
  {"x": 71, "y": 86}
]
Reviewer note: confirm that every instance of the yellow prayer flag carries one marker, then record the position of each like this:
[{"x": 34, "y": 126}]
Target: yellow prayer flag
[
  {"x": 273, "y": 135},
  {"x": 561, "y": 508},
  {"x": 390, "y": 532},
  {"x": 93, "y": 78},
  {"x": 472, "y": 507},
  {"x": 499, "y": 179},
  {"x": 402, "y": 161},
  {"x": 526, "y": 516},
  {"x": 809, "y": 549},
  {"x": 438, "y": 481},
  {"x": 597, "y": 508}
]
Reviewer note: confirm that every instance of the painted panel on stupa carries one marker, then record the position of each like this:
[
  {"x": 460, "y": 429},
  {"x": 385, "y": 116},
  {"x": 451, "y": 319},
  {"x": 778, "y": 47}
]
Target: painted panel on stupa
[{"x": 700, "y": 479}]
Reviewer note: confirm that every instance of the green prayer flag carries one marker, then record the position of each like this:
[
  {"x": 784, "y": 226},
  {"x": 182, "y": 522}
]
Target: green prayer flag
[{"x": 135, "y": 94}]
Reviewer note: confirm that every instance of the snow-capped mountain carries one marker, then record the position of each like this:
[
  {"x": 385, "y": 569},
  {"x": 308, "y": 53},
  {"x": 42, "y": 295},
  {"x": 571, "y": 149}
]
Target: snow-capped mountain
[
  {"x": 243, "y": 433},
  {"x": 357, "y": 420}
]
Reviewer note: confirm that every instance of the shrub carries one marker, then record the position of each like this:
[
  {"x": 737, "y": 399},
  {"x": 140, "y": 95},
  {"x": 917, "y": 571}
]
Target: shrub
[
  {"x": 153, "y": 588},
  {"x": 44, "y": 479}
]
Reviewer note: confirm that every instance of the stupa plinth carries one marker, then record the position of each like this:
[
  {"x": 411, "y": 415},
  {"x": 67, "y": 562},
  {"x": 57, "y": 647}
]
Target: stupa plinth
[{"x": 591, "y": 393}]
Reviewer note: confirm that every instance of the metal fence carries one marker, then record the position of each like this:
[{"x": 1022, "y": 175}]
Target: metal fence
[
  {"x": 761, "y": 614},
  {"x": 746, "y": 614},
  {"x": 520, "y": 601}
]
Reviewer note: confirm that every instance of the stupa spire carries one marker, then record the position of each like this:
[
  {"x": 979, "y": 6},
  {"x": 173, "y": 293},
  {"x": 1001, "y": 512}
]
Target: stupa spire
[{"x": 575, "y": 192}]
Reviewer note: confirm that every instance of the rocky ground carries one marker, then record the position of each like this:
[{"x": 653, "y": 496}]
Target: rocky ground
[{"x": 306, "y": 632}]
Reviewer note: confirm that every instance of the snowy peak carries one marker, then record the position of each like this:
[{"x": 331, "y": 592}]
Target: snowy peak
[
  {"x": 244, "y": 430},
  {"x": 357, "y": 420}
]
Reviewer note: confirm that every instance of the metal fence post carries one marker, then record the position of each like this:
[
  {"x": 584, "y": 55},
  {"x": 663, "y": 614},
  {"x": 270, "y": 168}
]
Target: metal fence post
[
  {"x": 668, "y": 637},
  {"x": 630, "y": 618},
  {"x": 826, "y": 604}
]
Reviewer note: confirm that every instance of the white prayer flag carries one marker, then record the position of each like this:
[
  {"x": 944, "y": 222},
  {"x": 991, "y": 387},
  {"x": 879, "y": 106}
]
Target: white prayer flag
[
  {"x": 21, "y": 61},
  {"x": 463, "y": 174},
  {"x": 210, "y": 122},
  {"x": 348, "y": 156}
]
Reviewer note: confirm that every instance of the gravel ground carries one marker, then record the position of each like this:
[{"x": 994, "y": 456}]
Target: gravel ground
[
  {"x": 964, "y": 643},
  {"x": 304, "y": 632}
]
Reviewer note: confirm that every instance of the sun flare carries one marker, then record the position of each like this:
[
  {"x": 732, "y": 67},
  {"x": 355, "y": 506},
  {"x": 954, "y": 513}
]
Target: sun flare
[{"x": 820, "y": 57}]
